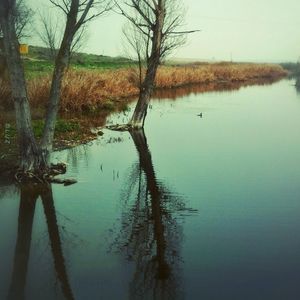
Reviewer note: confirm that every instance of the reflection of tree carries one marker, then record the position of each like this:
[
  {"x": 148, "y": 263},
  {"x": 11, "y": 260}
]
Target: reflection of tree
[
  {"x": 189, "y": 89},
  {"x": 22, "y": 251},
  {"x": 29, "y": 196},
  {"x": 150, "y": 234}
]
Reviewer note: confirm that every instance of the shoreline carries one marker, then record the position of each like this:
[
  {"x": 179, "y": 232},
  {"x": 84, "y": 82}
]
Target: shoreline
[
  {"x": 91, "y": 90},
  {"x": 76, "y": 128}
]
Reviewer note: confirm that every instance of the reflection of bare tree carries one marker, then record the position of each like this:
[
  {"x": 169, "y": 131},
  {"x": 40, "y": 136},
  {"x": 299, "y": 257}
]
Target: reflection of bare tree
[
  {"x": 150, "y": 234},
  {"x": 76, "y": 154},
  {"x": 29, "y": 196}
]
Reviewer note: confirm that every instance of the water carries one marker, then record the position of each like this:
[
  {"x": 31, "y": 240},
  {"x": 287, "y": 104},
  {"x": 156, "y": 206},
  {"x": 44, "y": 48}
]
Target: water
[{"x": 192, "y": 208}]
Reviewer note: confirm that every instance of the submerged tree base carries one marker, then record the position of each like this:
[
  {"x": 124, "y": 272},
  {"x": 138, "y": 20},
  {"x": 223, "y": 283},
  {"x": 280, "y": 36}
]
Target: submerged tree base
[
  {"x": 124, "y": 127},
  {"x": 45, "y": 176}
]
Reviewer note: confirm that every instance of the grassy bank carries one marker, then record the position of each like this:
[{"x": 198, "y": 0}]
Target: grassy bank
[{"x": 91, "y": 90}]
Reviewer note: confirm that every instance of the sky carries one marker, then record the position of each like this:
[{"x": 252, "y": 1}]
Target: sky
[{"x": 241, "y": 30}]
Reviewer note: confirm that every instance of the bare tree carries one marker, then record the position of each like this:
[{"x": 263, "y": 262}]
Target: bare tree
[
  {"x": 157, "y": 30},
  {"x": 78, "y": 13},
  {"x": 50, "y": 33},
  {"x": 34, "y": 156},
  {"x": 23, "y": 16}
]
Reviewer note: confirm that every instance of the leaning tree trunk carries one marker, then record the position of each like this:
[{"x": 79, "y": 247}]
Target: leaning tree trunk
[
  {"x": 30, "y": 154},
  {"x": 141, "y": 108},
  {"x": 54, "y": 99}
]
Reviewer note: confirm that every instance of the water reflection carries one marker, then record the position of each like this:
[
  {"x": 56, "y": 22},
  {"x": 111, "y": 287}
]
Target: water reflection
[
  {"x": 187, "y": 90},
  {"x": 28, "y": 198},
  {"x": 151, "y": 233}
]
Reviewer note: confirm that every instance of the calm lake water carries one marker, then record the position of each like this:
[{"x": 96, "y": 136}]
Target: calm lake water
[{"x": 192, "y": 208}]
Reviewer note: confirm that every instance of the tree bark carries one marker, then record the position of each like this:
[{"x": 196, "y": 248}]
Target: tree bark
[
  {"x": 141, "y": 108},
  {"x": 30, "y": 154},
  {"x": 54, "y": 99}
]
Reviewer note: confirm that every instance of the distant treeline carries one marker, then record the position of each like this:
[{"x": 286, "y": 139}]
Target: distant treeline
[{"x": 292, "y": 68}]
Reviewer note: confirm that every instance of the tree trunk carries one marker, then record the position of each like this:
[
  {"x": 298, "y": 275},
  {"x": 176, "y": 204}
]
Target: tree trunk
[
  {"x": 61, "y": 64},
  {"x": 2, "y": 66},
  {"x": 30, "y": 154},
  {"x": 140, "y": 111},
  {"x": 54, "y": 99},
  {"x": 138, "y": 118}
]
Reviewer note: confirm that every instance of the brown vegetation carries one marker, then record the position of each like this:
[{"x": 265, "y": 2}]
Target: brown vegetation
[{"x": 92, "y": 90}]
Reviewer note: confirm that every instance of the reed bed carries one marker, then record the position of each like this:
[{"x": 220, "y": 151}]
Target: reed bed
[
  {"x": 214, "y": 73},
  {"x": 90, "y": 90}
]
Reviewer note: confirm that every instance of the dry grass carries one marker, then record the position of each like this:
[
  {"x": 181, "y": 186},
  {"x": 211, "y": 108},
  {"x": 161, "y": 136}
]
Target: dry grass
[
  {"x": 90, "y": 90},
  {"x": 85, "y": 90},
  {"x": 209, "y": 73}
]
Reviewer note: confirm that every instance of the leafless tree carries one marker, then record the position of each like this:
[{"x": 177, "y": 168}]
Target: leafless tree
[
  {"x": 34, "y": 156},
  {"x": 50, "y": 33},
  {"x": 156, "y": 32},
  {"x": 23, "y": 18},
  {"x": 78, "y": 13}
]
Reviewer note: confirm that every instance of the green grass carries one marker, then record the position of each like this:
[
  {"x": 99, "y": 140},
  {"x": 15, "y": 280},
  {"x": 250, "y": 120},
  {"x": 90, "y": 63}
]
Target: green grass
[
  {"x": 61, "y": 127},
  {"x": 37, "y": 68},
  {"x": 37, "y": 63}
]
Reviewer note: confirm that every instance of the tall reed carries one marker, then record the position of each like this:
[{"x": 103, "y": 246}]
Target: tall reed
[{"x": 91, "y": 89}]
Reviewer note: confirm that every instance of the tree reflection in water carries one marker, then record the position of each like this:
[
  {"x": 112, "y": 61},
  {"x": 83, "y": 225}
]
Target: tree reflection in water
[
  {"x": 29, "y": 196},
  {"x": 186, "y": 90},
  {"x": 151, "y": 234}
]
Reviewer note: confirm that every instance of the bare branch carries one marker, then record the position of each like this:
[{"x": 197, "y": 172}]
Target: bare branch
[
  {"x": 156, "y": 31},
  {"x": 64, "y": 8}
]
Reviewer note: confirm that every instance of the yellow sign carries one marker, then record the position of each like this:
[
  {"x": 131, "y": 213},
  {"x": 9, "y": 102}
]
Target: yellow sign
[{"x": 24, "y": 48}]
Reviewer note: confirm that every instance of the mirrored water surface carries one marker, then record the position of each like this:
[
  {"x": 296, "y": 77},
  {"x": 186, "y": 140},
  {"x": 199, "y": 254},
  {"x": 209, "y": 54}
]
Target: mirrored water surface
[{"x": 191, "y": 208}]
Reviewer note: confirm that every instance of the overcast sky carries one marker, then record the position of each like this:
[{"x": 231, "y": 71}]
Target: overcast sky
[{"x": 246, "y": 30}]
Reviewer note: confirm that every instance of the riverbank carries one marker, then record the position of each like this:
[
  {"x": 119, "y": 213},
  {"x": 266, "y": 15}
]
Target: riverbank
[
  {"x": 92, "y": 90},
  {"x": 89, "y": 97}
]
